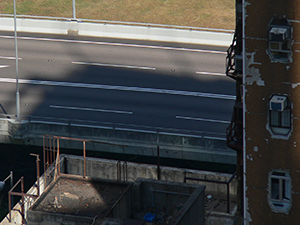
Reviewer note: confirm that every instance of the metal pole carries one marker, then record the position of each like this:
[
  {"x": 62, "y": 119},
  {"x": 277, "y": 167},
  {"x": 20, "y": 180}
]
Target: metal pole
[
  {"x": 158, "y": 163},
  {"x": 22, "y": 206},
  {"x": 84, "y": 160},
  {"x": 9, "y": 205},
  {"x": 17, "y": 66},
  {"x": 37, "y": 172},
  {"x": 228, "y": 198},
  {"x": 244, "y": 113},
  {"x": 58, "y": 156},
  {"x": 74, "y": 10},
  {"x": 11, "y": 185}
]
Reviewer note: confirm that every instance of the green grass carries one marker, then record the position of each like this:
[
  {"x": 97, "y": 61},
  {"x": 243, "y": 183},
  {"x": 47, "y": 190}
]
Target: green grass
[{"x": 196, "y": 13}]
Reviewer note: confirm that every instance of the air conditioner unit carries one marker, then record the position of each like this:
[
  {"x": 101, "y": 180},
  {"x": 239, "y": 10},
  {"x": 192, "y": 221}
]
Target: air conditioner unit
[
  {"x": 278, "y": 34},
  {"x": 278, "y": 103}
]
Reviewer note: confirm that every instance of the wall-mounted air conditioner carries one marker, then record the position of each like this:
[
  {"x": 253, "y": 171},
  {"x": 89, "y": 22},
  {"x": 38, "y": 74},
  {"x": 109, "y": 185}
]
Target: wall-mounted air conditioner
[
  {"x": 278, "y": 103},
  {"x": 278, "y": 34}
]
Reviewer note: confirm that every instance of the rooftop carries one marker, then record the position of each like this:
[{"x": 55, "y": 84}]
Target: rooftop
[{"x": 82, "y": 197}]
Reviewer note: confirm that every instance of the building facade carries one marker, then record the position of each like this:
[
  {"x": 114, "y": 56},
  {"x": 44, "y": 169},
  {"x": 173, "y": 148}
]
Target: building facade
[{"x": 264, "y": 61}]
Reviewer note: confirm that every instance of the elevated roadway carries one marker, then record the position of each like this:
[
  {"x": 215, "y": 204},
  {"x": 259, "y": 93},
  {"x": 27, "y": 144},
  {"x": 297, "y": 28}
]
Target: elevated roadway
[{"x": 132, "y": 85}]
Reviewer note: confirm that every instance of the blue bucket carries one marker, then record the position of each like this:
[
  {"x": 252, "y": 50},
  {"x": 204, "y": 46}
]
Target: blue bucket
[{"x": 149, "y": 217}]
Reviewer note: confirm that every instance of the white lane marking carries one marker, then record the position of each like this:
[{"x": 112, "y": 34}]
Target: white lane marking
[
  {"x": 118, "y": 44},
  {"x": 115, "y": 65},
  {"x": 9, "y": 57},
  {"x": 4, "y": 66},
  {"x": 202, "y": 119},
  {"x": 120, "y": 88},
  {"x": 211, "y": 73},
  {"x": 89, "y": 109}
]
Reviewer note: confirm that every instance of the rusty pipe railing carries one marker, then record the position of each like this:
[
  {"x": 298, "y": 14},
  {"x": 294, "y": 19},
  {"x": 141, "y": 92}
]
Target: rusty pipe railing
[
  {"x": 22, "y": 194},
  {"x": 217, "y": 182}
]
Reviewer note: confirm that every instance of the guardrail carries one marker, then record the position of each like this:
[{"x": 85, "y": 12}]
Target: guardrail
[
  {"x": 117, "y": 29},
  {"x": 141, "y": 140},
  {"x": 227, "y": 183},
  {"x": 119, "y": 22}
]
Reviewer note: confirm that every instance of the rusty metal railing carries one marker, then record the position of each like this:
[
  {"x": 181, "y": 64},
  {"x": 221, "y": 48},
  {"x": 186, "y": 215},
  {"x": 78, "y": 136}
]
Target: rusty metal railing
[
  {"x": 52, "y": 155},
  {"x": 227, "y": 183},
  {"x": 22, "y": 194}
]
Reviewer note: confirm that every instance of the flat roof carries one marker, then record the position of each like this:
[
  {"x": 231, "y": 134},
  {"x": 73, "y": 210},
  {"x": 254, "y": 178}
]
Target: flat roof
[{"x": 78, "y": 196}]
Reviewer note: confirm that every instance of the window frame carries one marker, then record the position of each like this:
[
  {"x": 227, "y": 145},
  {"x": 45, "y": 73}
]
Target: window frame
[
  {"x": 280, "y": 122},
  {"x": 283, "y": 118},
  {"x": 280, "y": 193},
  {"x": 283, "y": 53}
]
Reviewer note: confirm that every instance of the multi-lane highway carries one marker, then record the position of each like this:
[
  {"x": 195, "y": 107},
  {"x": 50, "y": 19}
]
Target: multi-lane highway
[{"x": 104, "y": 82}]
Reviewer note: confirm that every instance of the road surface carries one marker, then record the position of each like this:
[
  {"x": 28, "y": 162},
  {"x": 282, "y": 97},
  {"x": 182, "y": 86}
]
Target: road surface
[{"x": 128, "y": 84}]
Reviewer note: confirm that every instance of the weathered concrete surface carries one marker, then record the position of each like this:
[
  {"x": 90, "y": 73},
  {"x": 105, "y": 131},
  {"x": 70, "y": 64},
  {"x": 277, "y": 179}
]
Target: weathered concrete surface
[
  {"x": 192, "y": 36},
  {"x": 136, "y": 142},
  {"x": 107, "y": 169}
]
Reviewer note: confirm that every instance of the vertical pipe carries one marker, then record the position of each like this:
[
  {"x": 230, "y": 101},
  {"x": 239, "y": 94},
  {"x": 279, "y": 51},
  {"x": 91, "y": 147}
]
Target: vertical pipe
[
  {"x": 84, "y": 160},
  {"x": 125, "y": 171},
  {"x": 118, "y": 170},
  {"x": 51, "y": 159},
  {"x": 44, "y": 146},
  {"x": 9, "y": 205},
  {"x": 11, "y": 185},
  {"x": 244, "y": 111},
  {"x": 17, "y": 66},
  {"x": 38, "y": 174},
  {"x": 58, "y": 156},
  {"x": 48, "y": 151},
  {"x": 74, "y": 10},
  {"x": 22, "y": 206},
  {"x": 44, "y": 159},
  {"x": 53, "y": 149},
  {"x": 158, "y": 162},
  {"x": 228, "y": 198}
]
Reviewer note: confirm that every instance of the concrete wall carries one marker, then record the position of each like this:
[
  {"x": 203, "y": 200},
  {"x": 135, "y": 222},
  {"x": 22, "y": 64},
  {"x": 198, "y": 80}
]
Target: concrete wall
[
  {"x": 180, "y": 146},
  {"x": 158, "y": 194},
  {"x": 117, "y": 31},
  {"x": 123, "y": 207},
  {"x": 192, "y": 212},
  {"x": 46, "y": 218},
  {"x": 107, "y": 169}
]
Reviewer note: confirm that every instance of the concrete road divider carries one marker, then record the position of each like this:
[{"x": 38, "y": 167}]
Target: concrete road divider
[{"x": 123, "y": 31}]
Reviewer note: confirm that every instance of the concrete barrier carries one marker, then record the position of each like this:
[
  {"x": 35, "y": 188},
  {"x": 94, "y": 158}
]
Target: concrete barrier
[
  {"x": 136, "y": 142},
  {"x": 107, "y": 30}
]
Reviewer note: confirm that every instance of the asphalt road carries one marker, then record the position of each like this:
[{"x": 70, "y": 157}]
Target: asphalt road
[{"x": 128, "y": 84}]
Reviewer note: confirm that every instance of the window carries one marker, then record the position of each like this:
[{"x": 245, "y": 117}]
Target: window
[
  {"x": 280, "y": 191},
  {"x": 280, "y": 40},
  {"x": 280, "y": 119},
  {"x": 280, "y": 115}
]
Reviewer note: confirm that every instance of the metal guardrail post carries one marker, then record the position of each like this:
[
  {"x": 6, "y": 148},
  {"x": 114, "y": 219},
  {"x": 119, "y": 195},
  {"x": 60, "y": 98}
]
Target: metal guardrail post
[{"x": 84, "y": 159}]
